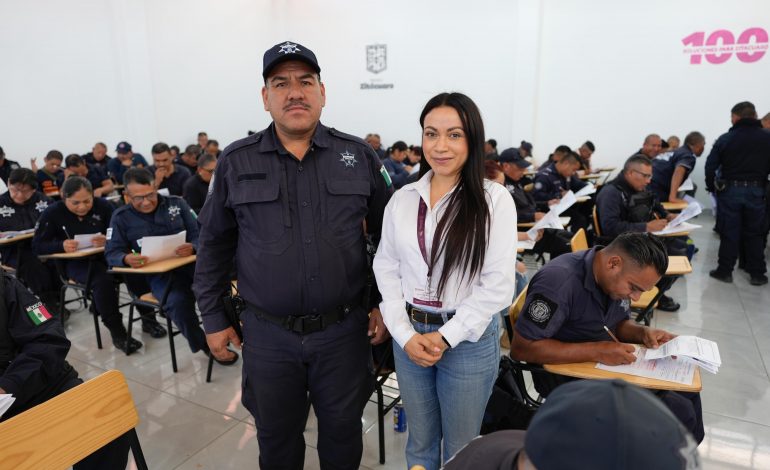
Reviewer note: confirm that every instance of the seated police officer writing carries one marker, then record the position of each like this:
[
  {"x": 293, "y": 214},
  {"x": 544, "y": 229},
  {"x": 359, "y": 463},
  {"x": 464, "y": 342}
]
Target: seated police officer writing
[
  {"x": 625, "y": 205},
  {"x": 554, "y": 180},
  {"x": 20, "y": 208},
  {"x": 573, "y": 298},
  {"x": 32, "y": 366},
  {"x": 79, "y": 213},
  {"x": 150, "y": 214}
]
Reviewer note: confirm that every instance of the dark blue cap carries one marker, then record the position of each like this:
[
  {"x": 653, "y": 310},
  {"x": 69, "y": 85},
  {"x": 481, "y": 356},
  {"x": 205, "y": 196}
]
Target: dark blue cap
[
  {"x": 123, "y": 147},
  {"x": 608, "y": 425},
  {"x": 512, "y": 155},
  {"x": 288, "y": 51}
]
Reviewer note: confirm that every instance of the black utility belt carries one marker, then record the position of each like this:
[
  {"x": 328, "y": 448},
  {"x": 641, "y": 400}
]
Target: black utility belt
[
  {"x": 745, "y": 184},
  {"x": 304, "y": 324},
  {"x": 422, "y": 316}
]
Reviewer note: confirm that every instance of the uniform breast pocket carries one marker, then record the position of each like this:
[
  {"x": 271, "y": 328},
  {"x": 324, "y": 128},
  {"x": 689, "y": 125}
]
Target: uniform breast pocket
[
  {"x": 260, "y": 213},
  {"x": 346, "y": 203}
]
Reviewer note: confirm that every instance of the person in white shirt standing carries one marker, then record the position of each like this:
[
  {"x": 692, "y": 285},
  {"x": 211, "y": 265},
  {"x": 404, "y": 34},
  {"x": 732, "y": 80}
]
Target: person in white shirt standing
[{"x": 445, "y": 269}]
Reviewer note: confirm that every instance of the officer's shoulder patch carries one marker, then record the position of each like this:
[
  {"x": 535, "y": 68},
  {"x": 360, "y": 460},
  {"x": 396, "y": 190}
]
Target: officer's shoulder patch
[
  {"x": 541, "y": 310},
  {"x": 386, "y": 177},
  {"x": 38, "y": 313},
  {"x": 241, "y": 143}
]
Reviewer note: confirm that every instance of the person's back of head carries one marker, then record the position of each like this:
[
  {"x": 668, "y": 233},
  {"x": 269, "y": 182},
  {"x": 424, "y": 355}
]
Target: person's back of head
[
  {"x": 72, "y": 161},
  {"x": 23, "y": 176},
  {"x": 607, "y": 425},
  {"x": 743, "y": 110}
]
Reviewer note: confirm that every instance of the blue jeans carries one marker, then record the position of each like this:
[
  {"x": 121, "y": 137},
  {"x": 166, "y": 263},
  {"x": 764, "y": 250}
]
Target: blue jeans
[
  {"x": 740, "y": 224},
  {"x": 447, "y": 401}
]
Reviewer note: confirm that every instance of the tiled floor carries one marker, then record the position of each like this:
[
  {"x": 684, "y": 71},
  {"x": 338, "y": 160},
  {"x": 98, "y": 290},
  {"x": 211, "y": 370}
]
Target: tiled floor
[{"x": 189, "y": 424}]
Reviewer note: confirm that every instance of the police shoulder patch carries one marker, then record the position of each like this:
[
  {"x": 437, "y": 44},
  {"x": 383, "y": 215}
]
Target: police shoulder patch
[
  {"x": 541, "y": 310},
  {"x": 38, "y": 313}
]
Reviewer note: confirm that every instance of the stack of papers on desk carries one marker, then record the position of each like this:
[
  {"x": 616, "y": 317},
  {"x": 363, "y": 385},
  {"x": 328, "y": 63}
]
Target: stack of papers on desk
[
  {"x": 683, "y": 227},
  {"x": 6, "y": 400},
  {"x": 700, "y": 352},
  {"x": 679, "y": 223},
  {"x": 667, "y": 368}
]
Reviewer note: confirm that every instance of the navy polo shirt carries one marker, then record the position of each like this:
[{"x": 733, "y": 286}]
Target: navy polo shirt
[
  {"x": 565, "y": 303},
  {"x": 663, "y": 170},
  {"x": 174, "y": 182}
]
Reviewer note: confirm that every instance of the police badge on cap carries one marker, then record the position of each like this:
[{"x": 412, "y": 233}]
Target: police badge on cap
[{"x": 287, "y": 50}]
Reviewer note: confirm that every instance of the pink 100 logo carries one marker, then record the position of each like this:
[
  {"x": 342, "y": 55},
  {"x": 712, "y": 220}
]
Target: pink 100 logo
[{"x": 720, "y": 46}]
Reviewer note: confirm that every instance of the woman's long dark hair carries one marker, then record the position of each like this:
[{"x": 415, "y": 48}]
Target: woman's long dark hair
[{"x": 464, "y": 227}]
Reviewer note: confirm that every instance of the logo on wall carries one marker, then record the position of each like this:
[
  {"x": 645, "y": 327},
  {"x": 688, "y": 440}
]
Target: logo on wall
[
  {"x": 720, "y": 46},
  {"x": 376, "y": 58},
  {"x": 376, "y": 62}
]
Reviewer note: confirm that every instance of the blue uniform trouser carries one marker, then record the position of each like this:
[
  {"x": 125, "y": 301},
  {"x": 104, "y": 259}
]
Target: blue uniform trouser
[
  {"x": 281, "y": 367},
  {"x": 740, "y": 225},
  {"x": 180, "y": 304},
  {"x": 445, "y": 403}
]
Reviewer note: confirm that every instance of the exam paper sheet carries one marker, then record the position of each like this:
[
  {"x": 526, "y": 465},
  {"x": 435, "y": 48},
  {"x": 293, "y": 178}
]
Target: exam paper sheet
[{"x": 162, "y": 247}]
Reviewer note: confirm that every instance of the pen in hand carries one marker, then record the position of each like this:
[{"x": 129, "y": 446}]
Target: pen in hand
[
  {"x": 611, "y": 335},
  {"x": 65, "y": 231}
]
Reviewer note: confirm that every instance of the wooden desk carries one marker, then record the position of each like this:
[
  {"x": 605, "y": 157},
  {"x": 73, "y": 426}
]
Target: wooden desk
[
  {"x": 156, "y": 267},
  {"x": 674, "y": 206},
  {"x": 588, "y": 370},
  {"x": 592, "y": 176},
  {"x": 608, "y": 169},
  {"x": 563, "y": 220},
  {"x": 75, "y": 255},
  {"x": 16, "y": 238},
  {"x": 583, "y": 199},
  {"x": 678, "y": 265}
]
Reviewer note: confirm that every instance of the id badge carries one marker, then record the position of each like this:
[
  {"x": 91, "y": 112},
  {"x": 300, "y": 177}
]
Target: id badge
[{"x": 426, "y": 296}]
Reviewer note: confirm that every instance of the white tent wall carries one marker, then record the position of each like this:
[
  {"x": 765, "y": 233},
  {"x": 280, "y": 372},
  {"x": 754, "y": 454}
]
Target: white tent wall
[{"x": 551, "y": 72}]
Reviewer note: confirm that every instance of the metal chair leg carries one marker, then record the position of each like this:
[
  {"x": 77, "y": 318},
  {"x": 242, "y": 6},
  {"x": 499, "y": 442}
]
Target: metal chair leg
[
  {"x": 210, "y": 368},
  {"x": 170, "y": 339},
  {"x": 130, "y": 326}
]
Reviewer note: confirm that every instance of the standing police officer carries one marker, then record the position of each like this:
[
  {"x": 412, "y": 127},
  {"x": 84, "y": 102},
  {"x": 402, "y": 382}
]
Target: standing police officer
[
  {"x": 292, "y": 204},
  {"x": 742, "y": 156}
]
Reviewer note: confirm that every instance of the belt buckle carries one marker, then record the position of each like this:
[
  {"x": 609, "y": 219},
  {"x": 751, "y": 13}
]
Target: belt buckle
[{"x": 310, "y": 322}]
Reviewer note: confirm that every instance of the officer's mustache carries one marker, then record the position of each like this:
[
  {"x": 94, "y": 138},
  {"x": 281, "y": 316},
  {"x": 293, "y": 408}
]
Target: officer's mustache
[{"x": 292, "y": 104}]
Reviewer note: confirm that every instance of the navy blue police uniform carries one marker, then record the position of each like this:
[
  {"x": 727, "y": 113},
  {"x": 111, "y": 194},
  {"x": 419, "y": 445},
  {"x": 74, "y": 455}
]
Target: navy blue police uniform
[
  {"x": 549, "y": 184},
  {"x": 40, "y": 277},
  {"x": 116, "y": 169},
  {"x": 175, "y": 181},
  {"x": 296, "y": 231},
  {"x": 564, "y": 303},
  {"x": 663, "y": 170},
  {"x": 56, "y": 224},
  {"x": 96, "y": 176},
  {"x": 742, "y": 155},
  {"x": 101, "y": 164},
  {"x": 171, "y": 216},
  {"x": 554, "y": 241},
  {"x": 33, "y": 368},
  {"x": 6, "y": 167},
  {"x": 195, "y": 191}
]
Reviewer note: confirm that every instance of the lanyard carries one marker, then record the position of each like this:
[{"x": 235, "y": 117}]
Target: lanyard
[{"x": 422, "y": 213}]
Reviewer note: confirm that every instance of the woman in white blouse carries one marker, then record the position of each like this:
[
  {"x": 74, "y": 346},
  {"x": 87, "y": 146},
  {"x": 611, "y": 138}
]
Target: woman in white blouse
[{"x": 444, "y": 268}]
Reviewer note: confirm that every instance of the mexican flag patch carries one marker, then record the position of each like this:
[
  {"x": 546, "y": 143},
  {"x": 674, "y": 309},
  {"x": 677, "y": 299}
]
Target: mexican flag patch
[
  {"x": 384, "y": 173},
  {"x": 38, "y": 313}
]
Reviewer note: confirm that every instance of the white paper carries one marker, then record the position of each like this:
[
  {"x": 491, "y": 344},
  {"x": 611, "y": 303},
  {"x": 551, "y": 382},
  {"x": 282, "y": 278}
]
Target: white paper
[
  {"x": 668, "y": 368},
  {"x": 692, "y": 210},
  {"x": 164, "y": 192},
  {"x": 6, "y": 400},
  {"x": 84, "y": 241},
  {"x": 702, "y": 352},
  {"x": 163, "y": 247},
  {"x": 3, "y": 187},
  {"x": 564, "y": 203},
  {"x": 525, "y": 244},
  {"x": 683, "y": 227},
  {"x": 586, "y": 190},
  {"x": 16, "y": 233},
  {"x": 687, "y": 185}
]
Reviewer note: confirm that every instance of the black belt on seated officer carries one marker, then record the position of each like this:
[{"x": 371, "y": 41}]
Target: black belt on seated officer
[
  {"x": 304, "y": 324},
  {"x": 423, "y": 316},
  {"x": 746, "y": 184}
]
